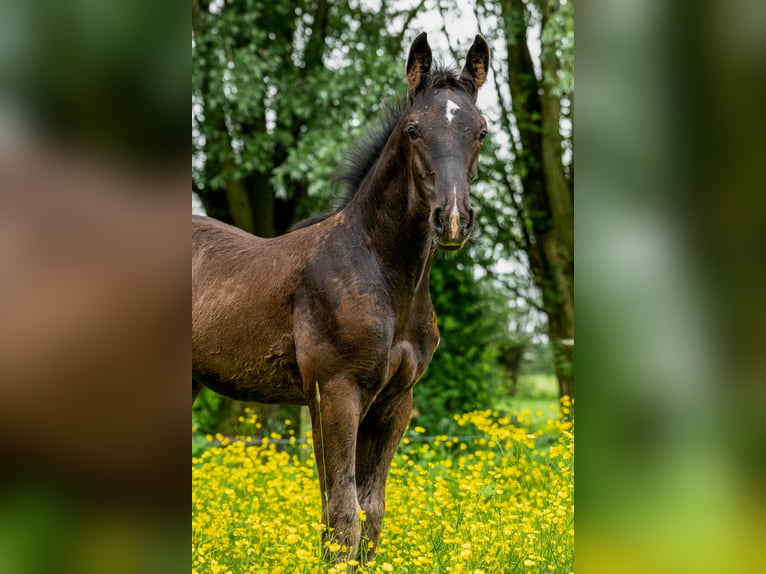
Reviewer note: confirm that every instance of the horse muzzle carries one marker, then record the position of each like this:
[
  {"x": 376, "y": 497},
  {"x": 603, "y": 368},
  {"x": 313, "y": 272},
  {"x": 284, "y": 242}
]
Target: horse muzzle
[{"x": 452, "y": 228}]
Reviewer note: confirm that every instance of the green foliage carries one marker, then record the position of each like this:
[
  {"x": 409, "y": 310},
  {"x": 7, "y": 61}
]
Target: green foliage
[
  {"x": 464, "y": 374},
  {"x": 279, "y": 90},
  {"x": 212, "y": 414},
  {"x": 558, "y": 37},
  {"x": 205, "y": 412}
]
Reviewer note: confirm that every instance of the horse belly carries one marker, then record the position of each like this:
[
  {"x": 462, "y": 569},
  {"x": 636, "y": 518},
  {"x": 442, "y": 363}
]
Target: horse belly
[{"x": 270, "y": 376}]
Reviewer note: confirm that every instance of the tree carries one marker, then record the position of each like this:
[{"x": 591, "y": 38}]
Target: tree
[
  {"x": 279, "y": 89},
  {"x": 535, "y": 172}
]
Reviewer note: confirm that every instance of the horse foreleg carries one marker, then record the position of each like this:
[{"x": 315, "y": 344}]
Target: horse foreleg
[
  {"x": 379, "y": 435},
  {"x": 335, "y": 419}
]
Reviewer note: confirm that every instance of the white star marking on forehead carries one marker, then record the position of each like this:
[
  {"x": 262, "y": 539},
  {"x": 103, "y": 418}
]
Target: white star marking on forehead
[{"x": 449, "y": 111}]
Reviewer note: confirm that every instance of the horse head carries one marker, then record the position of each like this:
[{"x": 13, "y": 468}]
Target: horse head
[{"x": 444, "y": 132}]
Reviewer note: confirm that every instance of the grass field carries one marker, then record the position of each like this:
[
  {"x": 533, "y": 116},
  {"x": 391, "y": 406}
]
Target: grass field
[{"x": 501, "y": 503}]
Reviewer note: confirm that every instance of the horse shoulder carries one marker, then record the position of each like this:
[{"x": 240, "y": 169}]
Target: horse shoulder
[{"x": 343, "y": 326}]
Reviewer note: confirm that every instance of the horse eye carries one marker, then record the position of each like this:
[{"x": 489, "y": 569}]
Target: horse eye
[
  {"x": 412, "y": 132},
  {"x": 482, "y": 134}
]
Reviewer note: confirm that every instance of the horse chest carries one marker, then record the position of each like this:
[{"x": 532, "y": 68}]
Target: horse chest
[{"x": 412, "y": 352}]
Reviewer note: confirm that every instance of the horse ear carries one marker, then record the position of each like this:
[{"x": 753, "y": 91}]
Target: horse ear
[
  {"x": 418, "y": 64},
  {"x": 474, "y": 72}
]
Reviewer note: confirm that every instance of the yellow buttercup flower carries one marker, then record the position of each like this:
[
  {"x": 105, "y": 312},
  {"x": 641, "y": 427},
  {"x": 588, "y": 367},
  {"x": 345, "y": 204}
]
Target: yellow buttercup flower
[{"x": 473, "y": 506}]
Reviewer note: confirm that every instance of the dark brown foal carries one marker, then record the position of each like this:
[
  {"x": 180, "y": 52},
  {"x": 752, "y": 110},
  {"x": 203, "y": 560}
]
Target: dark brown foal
[{"x": 337, "y": 314}]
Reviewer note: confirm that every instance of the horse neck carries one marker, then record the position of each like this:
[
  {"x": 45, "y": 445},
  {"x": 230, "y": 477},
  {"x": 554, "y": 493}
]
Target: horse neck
[{"x": 395, "y": 223}]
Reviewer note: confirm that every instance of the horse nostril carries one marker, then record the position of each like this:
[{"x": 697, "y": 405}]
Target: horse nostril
[
  {"x": 469, "y": 225},
  {"x": 437, "y": 221}
]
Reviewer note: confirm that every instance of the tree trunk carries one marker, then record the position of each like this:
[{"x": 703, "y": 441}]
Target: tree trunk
[
  {"x": 510, "y": 358},
  {"x": 547, "y": 206}
]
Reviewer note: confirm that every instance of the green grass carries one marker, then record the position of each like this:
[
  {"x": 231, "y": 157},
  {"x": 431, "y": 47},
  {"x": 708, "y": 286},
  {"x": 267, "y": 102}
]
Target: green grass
[
  {"x": 536, "y": 397},
  {"x": 538, "y": 387}
]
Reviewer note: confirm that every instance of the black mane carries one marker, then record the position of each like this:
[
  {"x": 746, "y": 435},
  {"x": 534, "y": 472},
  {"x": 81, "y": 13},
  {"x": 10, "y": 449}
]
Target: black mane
[
  {"x": 359, "y": 161},
  {"x": 445, "y": 77},
  {"x": 364, "y": 154}
]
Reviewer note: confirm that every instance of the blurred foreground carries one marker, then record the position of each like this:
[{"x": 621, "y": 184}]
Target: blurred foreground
[
  {"x": 671, "y": 276},
  {"x": 94, "y": 355}
]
